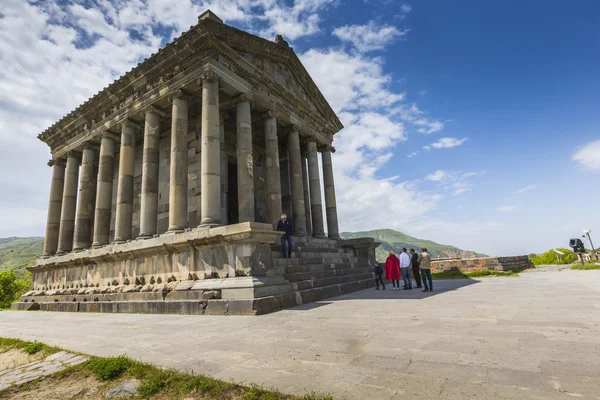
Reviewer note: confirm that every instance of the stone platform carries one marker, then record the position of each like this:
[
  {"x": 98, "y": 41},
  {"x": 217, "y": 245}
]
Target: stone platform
[
  {"x": 515, "y": 263},
  {"x": 230, "y": 270}
]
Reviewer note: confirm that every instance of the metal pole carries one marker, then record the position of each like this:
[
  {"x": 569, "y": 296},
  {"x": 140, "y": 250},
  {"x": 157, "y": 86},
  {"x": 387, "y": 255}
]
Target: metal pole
[{"x": 592, "y": 244}]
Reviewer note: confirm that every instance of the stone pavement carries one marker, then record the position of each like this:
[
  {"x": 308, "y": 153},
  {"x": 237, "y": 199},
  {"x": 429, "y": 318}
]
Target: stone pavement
[
  {"x": 29, "y": 372},
  {"x": 533, "y": 337}
]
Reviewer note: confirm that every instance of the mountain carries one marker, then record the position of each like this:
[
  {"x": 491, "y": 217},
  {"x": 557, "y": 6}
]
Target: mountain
[
  {"x": 18, "y": 253},
  {"x": 392, "y": 240}
]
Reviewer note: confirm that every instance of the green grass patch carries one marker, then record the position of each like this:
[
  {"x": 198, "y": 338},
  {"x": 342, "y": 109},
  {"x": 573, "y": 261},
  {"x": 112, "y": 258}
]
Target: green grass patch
[
  {"x": 586, "y": 267},
  {"x": 34, "y": 347},
  {"x": 484, "y": 273},
  {"x": 109, "y": 368}
]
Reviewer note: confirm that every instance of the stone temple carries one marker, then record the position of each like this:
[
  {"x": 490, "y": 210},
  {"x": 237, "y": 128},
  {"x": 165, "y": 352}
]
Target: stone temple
[{"x": 167, "y": 185}]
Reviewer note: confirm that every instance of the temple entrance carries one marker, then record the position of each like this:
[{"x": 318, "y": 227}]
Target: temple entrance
[{"x": 232, "y": 194}]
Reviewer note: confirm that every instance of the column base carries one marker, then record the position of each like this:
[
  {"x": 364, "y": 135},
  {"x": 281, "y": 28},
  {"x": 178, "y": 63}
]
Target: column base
[
  {"x": 319, "y": 236},
  {"x": 98, "y": 245},
  {"x": 335, "y": 237},
  {"x": 209, "y": 222},
  {"x": 176, "y": 230},
  {"x": 144, "y": 237},
  {"x": 119, "y": 241}
]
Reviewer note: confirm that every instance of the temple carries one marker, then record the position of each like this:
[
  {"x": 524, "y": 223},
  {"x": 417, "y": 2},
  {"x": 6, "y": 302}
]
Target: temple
[{"x": 167, "y": 185}]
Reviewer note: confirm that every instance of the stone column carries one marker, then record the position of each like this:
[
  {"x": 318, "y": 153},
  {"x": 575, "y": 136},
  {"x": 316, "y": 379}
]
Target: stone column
[
  {"x": 87, "y": 196},
  {"x": 149, "y": 196},
  {"x": 123, "y": 219},
  {"x": 224, "y": 165},
  {"x": 104, "y": 191},
  {"x": 274, "y": 208},
  {"x": 245, "y": 162},
  {"x": 178, "y": 175},
  {"x": 333, "y": 230},
  {"x": 306, "y": 195},
  {"x": 210, "y": 168},
  {"x": 69, "y": 202},
  {"x": 316, "y": 207},
  {"x": 295, "y": 162},
  {"x": 54, "y": 206}
]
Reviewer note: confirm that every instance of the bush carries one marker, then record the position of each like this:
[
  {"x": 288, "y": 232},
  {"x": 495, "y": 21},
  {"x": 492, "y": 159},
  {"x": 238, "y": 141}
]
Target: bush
[
  {"x": 110, "y": 368},
  {"x": 551, "y": 258},
  {"x": 12, "y": 288},
  {"x": 156, "y": 381},
  {"x": 33, "y": 347}
]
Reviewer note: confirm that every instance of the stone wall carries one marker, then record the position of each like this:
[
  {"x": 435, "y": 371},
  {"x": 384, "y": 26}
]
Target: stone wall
[{"x": 516, "y": 263}]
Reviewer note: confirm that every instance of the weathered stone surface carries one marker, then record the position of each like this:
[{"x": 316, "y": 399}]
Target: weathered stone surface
[{"x": 125, "y": 389}]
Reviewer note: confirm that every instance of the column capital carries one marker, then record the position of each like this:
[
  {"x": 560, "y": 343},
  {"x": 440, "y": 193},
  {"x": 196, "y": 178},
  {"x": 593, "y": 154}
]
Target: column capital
[
  {"x": 244, "y": 98},
  {"x": 224, "y": 115},
  {"x": 209, "y": 76},
  {"x": 90, "y": 146},
  {"x": 153, "y": 109},
  {"x": 74, "y": 153},
  {"x": 128, "y": 122},
  {"x": 326, "y": 147},
  {"x": 109, "y": 135},
  {"x": 311, "y": 138},
  {"x": 180, "y": 94},
  {"x": 294, "y": 128},
  {"x": 268, "y": 115},
  {"x": 60, "y": 162}
]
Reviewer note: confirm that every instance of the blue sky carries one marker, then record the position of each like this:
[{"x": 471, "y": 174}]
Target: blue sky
[{"x": 471, "y": 123}]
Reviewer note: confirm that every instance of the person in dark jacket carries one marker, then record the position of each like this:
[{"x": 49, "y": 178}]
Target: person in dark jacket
[
  {"x": 414, "y": 263},
  {"x": 285, "y": 226},
  {"x": 379, "y": 276}
]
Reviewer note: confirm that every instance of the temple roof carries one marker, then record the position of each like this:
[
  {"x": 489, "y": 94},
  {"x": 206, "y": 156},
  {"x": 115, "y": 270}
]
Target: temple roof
[{"x": 209, "y": 33}]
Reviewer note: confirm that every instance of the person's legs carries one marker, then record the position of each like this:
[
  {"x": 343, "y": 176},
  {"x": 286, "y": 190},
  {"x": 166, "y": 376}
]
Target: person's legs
[
  {"x": 424, "y": 276},
  {"x": 406, "y": 278},
  {"x": 290, "y": 246},
  {"x": 283, "y": 246},
  {"x": 417, "y": 275},
  {"x": 430, "y": 280}
]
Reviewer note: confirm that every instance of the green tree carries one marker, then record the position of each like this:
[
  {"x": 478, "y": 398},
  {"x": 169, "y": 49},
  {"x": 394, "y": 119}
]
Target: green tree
[
  {"x": 551, "y": 258},
  {"x": 12, "y": 288}
]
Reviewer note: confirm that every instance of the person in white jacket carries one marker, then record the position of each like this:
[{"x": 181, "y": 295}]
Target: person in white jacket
[{"x": 404, "y": 269}]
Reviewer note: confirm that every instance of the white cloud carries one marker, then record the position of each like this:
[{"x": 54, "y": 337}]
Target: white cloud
[
  {"x": 447, "y": 143},
  {"x": 505, "y": 208},
  {"x": 524, "y": 189},
  {"x": 415, "y": 116},
  {"x": 436, "y": 176},
  {"x": 588, "y": 156},
  {"x": 368, "y": 37}
]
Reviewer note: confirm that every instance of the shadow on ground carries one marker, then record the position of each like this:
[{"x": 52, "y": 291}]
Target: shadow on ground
[{"x": 440, "y": 286}]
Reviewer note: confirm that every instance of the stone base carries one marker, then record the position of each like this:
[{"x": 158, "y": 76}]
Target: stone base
[
  {"x": 516, "y": 264},
  {"x": 231, "y": 270}
]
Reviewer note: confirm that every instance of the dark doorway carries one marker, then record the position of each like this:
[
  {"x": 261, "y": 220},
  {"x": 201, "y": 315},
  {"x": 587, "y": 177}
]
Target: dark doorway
[{"x": 232, "y": 194}]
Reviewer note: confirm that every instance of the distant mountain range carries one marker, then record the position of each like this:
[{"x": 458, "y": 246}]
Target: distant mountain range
[
  {"x": 392, "y": 240},
  {"x": 17, "y": 253}
]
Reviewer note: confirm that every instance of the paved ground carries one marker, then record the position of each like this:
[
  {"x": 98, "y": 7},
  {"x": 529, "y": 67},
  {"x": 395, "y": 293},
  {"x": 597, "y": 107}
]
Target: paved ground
[{"x": 533, "y": 337}]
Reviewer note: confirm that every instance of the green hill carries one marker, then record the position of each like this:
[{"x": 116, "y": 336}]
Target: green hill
[
  {"x": 18, "y": 253},
  {"x": 392, "y": 240}
]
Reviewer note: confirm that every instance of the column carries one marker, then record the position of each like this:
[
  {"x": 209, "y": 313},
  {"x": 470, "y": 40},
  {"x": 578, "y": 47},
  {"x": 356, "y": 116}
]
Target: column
[
  {"x": 67, "y": 213},
  {"x": 316, "y": 207},
  {"x": 224, "y": 165},
  {"x": 333, "y": 230},
  {"x": 306, "y": 195},
  {"x": 273, "y": 182},
  {"x": 178, "y": 173},
  {"x": 149, "y": 195},
  {"x": 210, "y": 173},
  {"x": 245, "y": 162},
  {"x": 123, "y": 219},
  {"x": 104, "y": 191},
  {"x": 54, "y": 206},
  {"x": 299, "y": 218},
  {"x": 87, "y": 196}
]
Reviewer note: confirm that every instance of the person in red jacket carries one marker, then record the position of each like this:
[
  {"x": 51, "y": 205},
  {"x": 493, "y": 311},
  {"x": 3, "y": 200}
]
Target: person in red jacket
[{"x": 392, "y": 270}]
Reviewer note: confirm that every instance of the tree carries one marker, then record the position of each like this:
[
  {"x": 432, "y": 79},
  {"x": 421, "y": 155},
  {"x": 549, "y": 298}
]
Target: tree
[{"x": 12, "y": 288}]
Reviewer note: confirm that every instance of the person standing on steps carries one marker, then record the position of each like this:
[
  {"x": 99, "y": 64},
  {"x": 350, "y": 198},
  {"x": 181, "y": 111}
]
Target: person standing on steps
[
  {"x": 425, "y": 265},
  {"x": 414, "y": 263},
  {"x": 404, "y": 269},
  {"x": 286, "y": 227},
  {"x": 392, "y": 270},
  {"x": 379, "y": 276}
]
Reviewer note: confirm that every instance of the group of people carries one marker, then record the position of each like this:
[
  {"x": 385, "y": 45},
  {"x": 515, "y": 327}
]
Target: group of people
[{"x": 400, "y": 267}]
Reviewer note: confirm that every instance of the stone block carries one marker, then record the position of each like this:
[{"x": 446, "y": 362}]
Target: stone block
[
  {"x": 241, "y": 307},
  {"x": 22, "y": 306},
  {"x": 217, "y": 307}
]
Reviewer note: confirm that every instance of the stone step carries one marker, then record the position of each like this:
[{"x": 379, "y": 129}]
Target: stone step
[
  {"x": 304, "y": 268},
  {"x": 302, "y": 276},
  {"x": 307, "y": 249},
  {"x": 284, "y": 262},
  {"x": 315, "y": 283}
]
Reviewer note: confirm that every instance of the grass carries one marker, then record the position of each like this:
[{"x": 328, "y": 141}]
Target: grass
[
  {"x": 586, "y": 267},
  {"x": 484, "y": 273},
  {"x": 7, "y": 344},
  {"x": 155, "y": 381}
]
